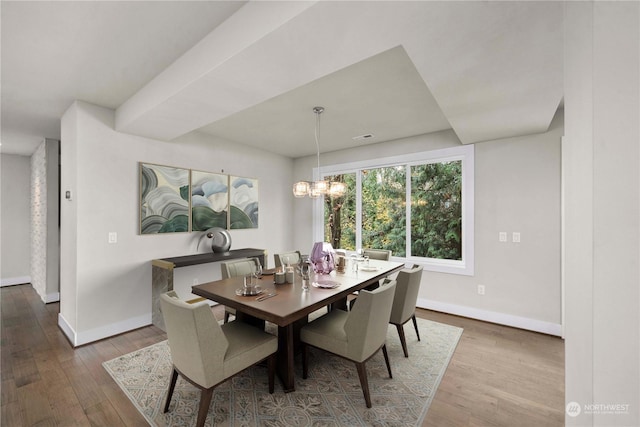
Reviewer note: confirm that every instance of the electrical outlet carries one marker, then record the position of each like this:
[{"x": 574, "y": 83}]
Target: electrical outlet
[
  {"x": 113, "y": 237},
  {"x": 480, "y": 289},
  {"x": 515, "y": 237},
  {"x": 502, "y": 236}
]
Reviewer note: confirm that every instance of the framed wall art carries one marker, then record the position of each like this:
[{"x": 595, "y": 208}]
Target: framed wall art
[
  {"x": 209, "y": 200},
  {"x": 164, "y": 199},
  {"x": 243, "y": 202}
]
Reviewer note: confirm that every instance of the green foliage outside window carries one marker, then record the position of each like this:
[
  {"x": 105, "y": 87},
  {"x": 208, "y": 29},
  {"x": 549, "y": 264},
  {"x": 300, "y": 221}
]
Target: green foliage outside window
[
  {"x": 340, "y": 215},
  {"x": 384, "y": 209},
  {"x": 435, "y": 211}
]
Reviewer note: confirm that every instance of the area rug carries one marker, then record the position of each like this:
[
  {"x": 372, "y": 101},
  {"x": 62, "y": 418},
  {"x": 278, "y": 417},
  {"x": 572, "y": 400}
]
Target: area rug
[{"x": 331, "y": 396}]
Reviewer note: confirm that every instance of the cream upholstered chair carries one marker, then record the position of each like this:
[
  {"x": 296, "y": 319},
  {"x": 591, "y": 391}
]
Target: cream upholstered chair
[
  {"x": 207, "y": 354},
  {"x": 404, "y": 302},
  {"x": 382, "y": 254},
  {"x": 293, "y": 257},
  {"x": 235, "y": 268},
  {"x": 355, "y": 335}
]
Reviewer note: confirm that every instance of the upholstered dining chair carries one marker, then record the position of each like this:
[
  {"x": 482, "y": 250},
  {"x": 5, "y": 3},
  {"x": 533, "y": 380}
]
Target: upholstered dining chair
[
  {"x": 381, "y": 254},
  {"x": 235, "y": 268},
  {"x": 355, "y": 335},
  {"x": 207, "y": 354},
  {"x": 404, "y": 302},
  {"x": 293, "y": 257}
]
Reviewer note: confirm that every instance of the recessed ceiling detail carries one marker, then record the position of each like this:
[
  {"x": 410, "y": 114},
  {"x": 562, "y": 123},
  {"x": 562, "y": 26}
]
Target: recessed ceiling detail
[{"x": 486, "y": 70}]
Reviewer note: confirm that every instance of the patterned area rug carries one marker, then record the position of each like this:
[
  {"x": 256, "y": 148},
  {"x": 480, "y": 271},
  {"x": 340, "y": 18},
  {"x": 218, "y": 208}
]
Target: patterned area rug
[{"x": 331, "y": 396}]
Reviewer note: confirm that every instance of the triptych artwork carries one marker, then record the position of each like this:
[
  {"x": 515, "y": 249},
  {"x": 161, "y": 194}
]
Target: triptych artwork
[{"x": 177, "y": 200}]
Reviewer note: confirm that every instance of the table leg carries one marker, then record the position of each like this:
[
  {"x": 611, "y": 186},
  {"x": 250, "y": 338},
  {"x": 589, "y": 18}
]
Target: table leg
[
  {"x": 285, "y": 357},
  {"x": 288, "y": 346}
]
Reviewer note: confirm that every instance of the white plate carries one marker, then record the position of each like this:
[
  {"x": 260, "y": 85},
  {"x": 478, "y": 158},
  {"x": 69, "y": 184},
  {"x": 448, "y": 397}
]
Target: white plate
[
  {"x": 369, "y": 268},
  {"x": 326, "y": 284}
]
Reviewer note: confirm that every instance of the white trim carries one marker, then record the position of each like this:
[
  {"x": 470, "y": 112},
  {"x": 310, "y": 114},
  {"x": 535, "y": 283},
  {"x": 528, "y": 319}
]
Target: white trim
[
  {"x": 53, "y": 297},
  {"x": 78, "y": 339},
  {"x": 23, "y": 280},
  {"x": 563, "y": 180},
  {"x": 493, "y": 317},
  {"x": 67, "y": 329}
]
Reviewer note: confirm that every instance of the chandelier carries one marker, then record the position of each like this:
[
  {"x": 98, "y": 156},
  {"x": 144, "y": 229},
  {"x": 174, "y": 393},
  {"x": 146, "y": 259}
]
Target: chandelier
[{"x": 320, "y": 188}]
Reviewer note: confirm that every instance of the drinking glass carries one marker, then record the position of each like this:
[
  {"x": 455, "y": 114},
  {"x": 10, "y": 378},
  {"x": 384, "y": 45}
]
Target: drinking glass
[
  {"x": 303, "y": 270},
  {"x": 258, "y": 273}
]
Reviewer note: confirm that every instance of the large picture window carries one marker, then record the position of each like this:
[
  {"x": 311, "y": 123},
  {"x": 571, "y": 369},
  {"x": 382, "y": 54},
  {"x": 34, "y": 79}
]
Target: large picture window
[{"x": 419, "y": 206}]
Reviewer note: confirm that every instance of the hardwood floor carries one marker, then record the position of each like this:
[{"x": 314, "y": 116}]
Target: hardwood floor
[{"x": 498, "y": 376}]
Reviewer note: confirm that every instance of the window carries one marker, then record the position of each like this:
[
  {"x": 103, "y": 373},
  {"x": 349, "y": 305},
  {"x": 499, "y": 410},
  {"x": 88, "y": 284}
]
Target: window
[{"x": 419, "y": 206}]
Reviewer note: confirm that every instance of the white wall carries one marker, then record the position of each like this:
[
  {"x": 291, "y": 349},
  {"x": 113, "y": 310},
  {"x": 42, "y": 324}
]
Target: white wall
[
  {"x": 602, "y": 204},
  {"x": 106, "y": 288},
  {"x": 15, "y": 180},
  {"x": 517, "y": 188}
]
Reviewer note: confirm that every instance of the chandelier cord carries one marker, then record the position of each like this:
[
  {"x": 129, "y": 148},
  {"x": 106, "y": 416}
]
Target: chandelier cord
[{"x": 317, "y": 135}]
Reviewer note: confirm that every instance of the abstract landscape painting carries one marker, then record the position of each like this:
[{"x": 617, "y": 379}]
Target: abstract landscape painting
[
  {"x": 209, "y": 200},
  {"x": 243, "y": 206},
  {"x": 164, "y": 199}
]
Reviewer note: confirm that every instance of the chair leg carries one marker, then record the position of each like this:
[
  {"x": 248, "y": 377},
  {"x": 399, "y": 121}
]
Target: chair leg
[
  {"x": 403, "y": 340},
  {"x": 271, "y": 367},
  {"x": 386, "y": 359},
  {"x": 415, "y": 325},
  {"x": 172, "y": 386},
  {"x": 362, "y": 373},
  {"x": 205, "y": 401},
  {"x": 305, "y": 362}
]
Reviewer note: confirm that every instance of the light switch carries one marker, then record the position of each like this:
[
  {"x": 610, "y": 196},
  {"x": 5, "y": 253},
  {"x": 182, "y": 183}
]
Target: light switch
[
  {"x": 502, "y": 236},
  {"x": 113, "y": 237},
  {"x": 516, "y": 237}
]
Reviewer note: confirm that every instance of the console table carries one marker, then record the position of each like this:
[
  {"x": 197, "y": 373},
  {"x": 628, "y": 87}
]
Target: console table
[{"x": 162, "y": 273}]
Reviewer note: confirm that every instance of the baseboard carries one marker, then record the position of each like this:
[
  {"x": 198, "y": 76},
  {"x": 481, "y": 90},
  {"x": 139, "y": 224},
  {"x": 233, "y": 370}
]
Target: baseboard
[
  {"x": 493, "y": 317},
  {"x": 15, "y": 281},
  {"x": 67, "y": 329},
  {"x": 54, "y": 297},
  {"x": 82, "y": 338}
]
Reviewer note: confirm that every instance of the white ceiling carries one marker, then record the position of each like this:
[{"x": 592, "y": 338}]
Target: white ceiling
[{"x": 251, "y": 73}]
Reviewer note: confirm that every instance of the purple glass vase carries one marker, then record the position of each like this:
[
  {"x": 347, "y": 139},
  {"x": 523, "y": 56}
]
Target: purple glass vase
[{"x": 322, "y": 258}]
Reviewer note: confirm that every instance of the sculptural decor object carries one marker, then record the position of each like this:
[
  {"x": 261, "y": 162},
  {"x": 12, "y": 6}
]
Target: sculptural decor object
[
  {"x": 220, "y": 239},
  {"x": 322, "y": 258}
]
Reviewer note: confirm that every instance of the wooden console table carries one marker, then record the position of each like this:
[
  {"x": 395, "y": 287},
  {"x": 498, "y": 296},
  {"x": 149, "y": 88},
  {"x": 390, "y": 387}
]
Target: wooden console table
[{"x": 162, "y": 273}]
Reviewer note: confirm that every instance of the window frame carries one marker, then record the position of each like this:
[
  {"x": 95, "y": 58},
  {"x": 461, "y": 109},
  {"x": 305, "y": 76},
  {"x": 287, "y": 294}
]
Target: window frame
[{"x": 465, "y": 154}]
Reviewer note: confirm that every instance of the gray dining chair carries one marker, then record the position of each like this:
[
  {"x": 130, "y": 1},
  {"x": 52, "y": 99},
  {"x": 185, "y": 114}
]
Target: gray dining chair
[
  {"x": 293, "y": 257},
  {"x": 235, "y": 268},
  {"x": 207, "y": 354},
  {"x": 380, "y": 254},
  {"x": 404, "y": 302},
  {"x": 355, "y": 335}
]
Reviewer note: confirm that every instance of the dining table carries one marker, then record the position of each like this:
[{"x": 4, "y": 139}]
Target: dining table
[{"x": 291, "y": 305}]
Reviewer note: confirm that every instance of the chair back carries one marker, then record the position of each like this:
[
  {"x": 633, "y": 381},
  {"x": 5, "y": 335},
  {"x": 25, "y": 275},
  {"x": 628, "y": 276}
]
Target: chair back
[
  {"x": 196, "y": 340},
  {"x": 293, "y": 257},
  {"x": 381, "y": 254},
  {"x": 407, "y": 288},
  {"x": 368, "y": 322},
  {"x": 239, "y": 267}
]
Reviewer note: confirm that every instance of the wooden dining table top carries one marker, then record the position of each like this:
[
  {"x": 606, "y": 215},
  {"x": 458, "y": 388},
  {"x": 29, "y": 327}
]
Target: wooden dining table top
[{"x": 291, "y": 302}]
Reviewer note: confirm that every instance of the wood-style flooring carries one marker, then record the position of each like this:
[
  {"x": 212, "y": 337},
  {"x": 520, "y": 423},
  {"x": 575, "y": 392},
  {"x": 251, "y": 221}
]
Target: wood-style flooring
[{"x": 498, "y": 376}]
